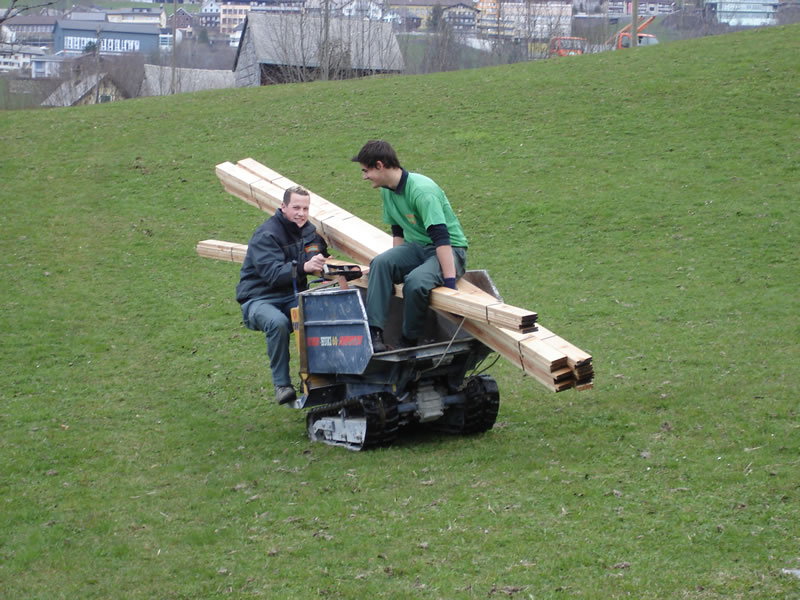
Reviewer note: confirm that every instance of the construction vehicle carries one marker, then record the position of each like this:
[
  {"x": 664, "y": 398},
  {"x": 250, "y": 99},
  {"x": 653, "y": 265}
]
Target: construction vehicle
[
  {"x": 359, "y": 399},
  {"x": 567, "y": 46},
  {"x": 623, "y": 38}
]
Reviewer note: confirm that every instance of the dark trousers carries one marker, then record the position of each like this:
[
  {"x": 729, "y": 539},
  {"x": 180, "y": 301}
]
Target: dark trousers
[
  {"x": 273, "y": 317},
  {"x": 417, "y": 268}
]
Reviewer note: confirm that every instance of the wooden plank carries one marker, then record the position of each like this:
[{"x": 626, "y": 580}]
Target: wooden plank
[
  {"x": 235, "y": 180},
  {"x": 266, "y": 196},
  {"x": 579, "y": 361},
  {"x": 262, "y": 171},
  {"x": 508, "y": 347},
  {"x": 222, "y": 250},
  {"x": 534, "y": 352},
  {"x": 575, "y": 355},
  {"x": 263, "y": 188},
  {"x": 360, "y": 247},
  {"x": 471, "y": 301}
]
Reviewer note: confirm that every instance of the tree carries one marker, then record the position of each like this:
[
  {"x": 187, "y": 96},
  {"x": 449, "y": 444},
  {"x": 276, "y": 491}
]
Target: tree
[
  {"x": 436, "y": 18},
  {"x": 441, "y": 52},
  {"x": 15, "y": 9},
  {"x": 309, "y": 47},
  {"x": 542, "y": 21}
]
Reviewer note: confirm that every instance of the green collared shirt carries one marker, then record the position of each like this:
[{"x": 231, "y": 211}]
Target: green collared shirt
[{"x": 416, "y": 204}]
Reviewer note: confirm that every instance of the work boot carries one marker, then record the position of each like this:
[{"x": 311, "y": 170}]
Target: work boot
[
  {"x": 378, "y": 345},
  {"x": 408, "y": 342},
  {"x": 285, "y": 394}
]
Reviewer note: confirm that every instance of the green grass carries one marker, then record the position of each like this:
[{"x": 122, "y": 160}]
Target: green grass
[{"x": 644, "y": 203}]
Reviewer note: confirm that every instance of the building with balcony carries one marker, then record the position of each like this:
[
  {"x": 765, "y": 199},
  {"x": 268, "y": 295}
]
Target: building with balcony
[
  {"x": 524, "y": 20},
  {"x": 462, "y": 18},
  {"x": 32, "y": 30}
]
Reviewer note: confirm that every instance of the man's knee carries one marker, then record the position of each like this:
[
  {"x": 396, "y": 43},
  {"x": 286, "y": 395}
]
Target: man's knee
[
  {"x": 268, "y": 318},
  {"x": 380, "y": 263},
  {"x": 417, "y": 287},
  {"x": 277, "y": 323}
]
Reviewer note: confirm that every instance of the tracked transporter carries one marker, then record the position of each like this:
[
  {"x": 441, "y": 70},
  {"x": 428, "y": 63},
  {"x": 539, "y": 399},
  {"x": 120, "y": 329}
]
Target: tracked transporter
[{"x": 360, "y": 399}]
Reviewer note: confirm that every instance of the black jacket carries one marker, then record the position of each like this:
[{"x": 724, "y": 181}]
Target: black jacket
[{"x": 267, "y": 268}]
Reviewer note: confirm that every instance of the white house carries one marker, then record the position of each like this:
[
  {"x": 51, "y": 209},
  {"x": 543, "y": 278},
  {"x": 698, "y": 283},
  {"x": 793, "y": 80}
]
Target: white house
[
  {"x": 209, "y": 14},
  {"x": 46, "y": 67},
  {"x": 363, "y": 9},
  {"x": 524, "y": 20},
  {"x": 15, "y": 57}
]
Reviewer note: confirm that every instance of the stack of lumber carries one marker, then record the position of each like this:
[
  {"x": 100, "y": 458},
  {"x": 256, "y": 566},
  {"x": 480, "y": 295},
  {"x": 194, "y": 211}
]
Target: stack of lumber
[{"x": 508, "y": 330}]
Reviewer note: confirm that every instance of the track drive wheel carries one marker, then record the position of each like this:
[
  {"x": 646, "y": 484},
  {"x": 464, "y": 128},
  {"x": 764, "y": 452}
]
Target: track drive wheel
[
  {"x": 483, "y": 396},
  {"x": 383, "y": 420},
  {"x": 479, "y": 412}
]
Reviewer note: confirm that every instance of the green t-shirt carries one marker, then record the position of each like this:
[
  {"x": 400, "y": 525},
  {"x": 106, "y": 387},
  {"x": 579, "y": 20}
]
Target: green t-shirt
[{"x": 418, "y": 205}]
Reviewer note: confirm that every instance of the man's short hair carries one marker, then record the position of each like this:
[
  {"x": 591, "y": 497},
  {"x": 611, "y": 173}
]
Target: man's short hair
[
  {"x": 296, "y": 189},
  {"x": 377, "y": 150}
]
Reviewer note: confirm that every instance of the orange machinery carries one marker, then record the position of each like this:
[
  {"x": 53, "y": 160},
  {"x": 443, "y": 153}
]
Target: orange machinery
[
  {"x": 566, "y": 46},
  {"x": 623, "y": 38}
]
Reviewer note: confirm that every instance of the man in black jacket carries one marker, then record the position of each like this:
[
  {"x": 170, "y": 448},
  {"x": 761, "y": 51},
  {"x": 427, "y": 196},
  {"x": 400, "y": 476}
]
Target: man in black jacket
[{"x": 282, "y": 251}]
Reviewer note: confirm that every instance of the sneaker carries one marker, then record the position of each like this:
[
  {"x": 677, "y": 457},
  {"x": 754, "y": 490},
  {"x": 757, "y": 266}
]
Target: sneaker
[
  {"x": 285, "y": 394},
  {"x": 378, "y": 344}
]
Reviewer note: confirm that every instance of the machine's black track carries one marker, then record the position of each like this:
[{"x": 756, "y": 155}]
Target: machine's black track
[
  {"x": 380, "y": 411},
  {"x": 382, "y": 419},
  {"x": 479, "y": 412}
]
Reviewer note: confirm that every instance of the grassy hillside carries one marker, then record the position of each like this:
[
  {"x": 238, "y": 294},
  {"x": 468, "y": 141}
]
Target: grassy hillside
[{"x": 644, "y": 203}]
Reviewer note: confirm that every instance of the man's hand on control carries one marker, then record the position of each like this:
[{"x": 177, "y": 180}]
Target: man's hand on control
[{"x": 315, "y": 263}]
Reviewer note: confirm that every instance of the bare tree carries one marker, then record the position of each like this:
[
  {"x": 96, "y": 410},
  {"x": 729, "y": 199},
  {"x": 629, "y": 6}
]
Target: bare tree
[
  {"x": 441, "y": 50},
  {"x": 499, "y": 32},
  {"x": 14, "y": 9},
  {"x": 325, "y": 48},
  {"x": 542, "y": 21},
  {"x": 288, "y": 37},
  {"x": 305, "y": 47}
]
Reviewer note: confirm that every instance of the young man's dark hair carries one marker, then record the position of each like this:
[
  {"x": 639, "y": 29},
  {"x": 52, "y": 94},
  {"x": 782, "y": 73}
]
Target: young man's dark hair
[{"x": 377, "y": 150}]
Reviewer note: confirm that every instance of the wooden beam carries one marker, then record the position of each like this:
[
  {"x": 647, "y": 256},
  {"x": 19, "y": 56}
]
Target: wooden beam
[
  {"x": 471, "y": 301},
  {"x": 222, "y": 250}
]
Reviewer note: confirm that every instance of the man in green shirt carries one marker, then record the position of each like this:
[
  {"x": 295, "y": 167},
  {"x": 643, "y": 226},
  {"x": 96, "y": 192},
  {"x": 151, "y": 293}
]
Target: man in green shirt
[{"x": 429, "y": 248}]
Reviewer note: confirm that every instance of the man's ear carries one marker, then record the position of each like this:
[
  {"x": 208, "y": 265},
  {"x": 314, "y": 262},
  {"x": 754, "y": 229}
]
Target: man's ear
[{"x": 379, "y": 165}]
